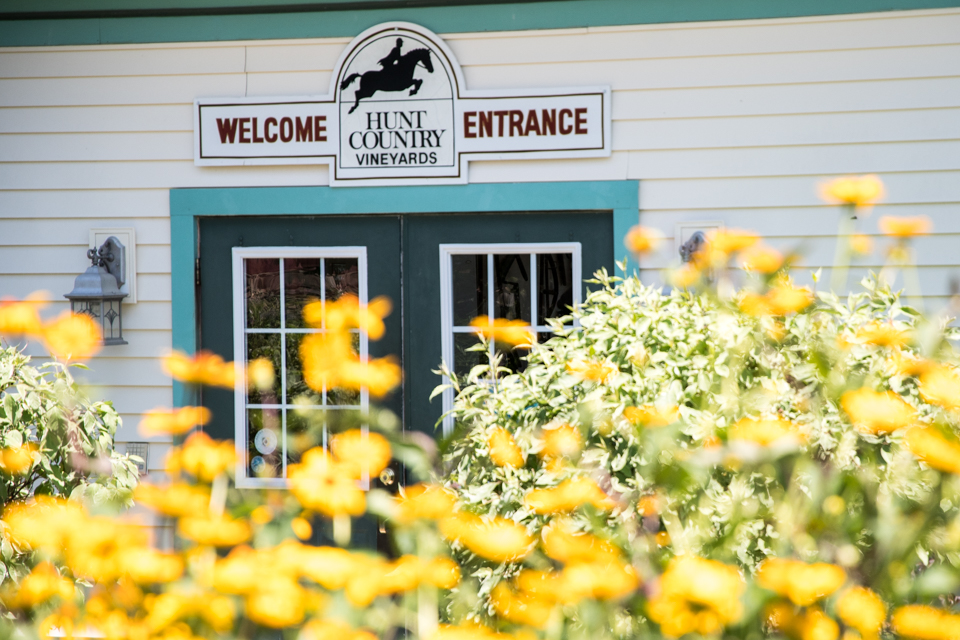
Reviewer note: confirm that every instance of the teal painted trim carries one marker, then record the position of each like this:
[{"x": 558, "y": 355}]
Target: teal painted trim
[
  {"x": 445, "y": 18},
  {"x": 186, "y": 205}
]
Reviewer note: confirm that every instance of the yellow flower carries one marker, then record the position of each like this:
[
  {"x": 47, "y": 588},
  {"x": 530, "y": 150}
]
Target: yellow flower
[
  {"x": 931, "y": 447},
  {"x": 512, "y": 332},
  {"x": 379, "y": 376},
  {"x": 498, "y": 539},
  {"x": 361, "y": 453},
  {"x": 43, "y": 583},
  {"x": 685, "y": 276},
  {"x": 785, "y": 298},
  {"x": 925, "y": 623},
  {"x": 877, "y": 412},
  {"x": 696, "y": 596},
  {"x": 601, "y": 372},
  {"x": 906, "y": 227},
  {"x": 202, "y": 368},
  {"x": 599, "y": 580},
  {"x": 730, "y": 241},
  {"x": 763, "y": 432},
  {"x": 641, "y": 240},
  {"x": 863, "y": 610},
  {"x": 21, "y": 317},
  {"x": 278, "y": 602},
  {"x": 301, "y": 528},
  {"x": 568, "y": 496},
  {"x": 802, "y": 583},
  {"x": 563, "y": 544},
  {"x": 761, "y": 259},
  {"x": 504, "y": 450},
  {"x": 441, "y": 572},
  {"x": 173, "y": 422},
  {"x": 427, "y": 502},
  {"x": 213, "y": 531},
  {"x": 649, "y": 506},
  {"x": 521, "y": 608},
  {"x": 860, "y": 244},
  {"x": 906, "y": 365},
  {"x": 260, "y": 374},
  {"x": 43, "y": 523},
  {"x": 940, "y": 385},
  {"x": 72, "y": 336},
  {"x": 329, "y": 567},
  {"x": 149, "y": 566},
  {"x": 561, "y": 442},
  {"x": 650, "y": 416},
  {"x": 345, "y": 313},
  {"x": 858, "y": 191},
  {"x": 815, "y": 625},
  {"x": 202, "y": 457},
  {"x": 883, "y": 335},
  {"x": 332, "y": 629},
  {"x": 96, "y": 548},
  {"x": 178, "y": 499},
  {"x": 18, "y": 460},
  {"x": 322, "y": 484}
]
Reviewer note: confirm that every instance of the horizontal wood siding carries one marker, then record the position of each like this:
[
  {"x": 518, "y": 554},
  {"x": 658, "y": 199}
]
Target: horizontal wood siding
[{"x": 734, "y": 122}]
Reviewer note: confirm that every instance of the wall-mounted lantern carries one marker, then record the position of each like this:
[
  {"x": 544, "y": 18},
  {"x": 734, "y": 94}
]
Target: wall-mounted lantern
[{"x": 96, "y": 292}]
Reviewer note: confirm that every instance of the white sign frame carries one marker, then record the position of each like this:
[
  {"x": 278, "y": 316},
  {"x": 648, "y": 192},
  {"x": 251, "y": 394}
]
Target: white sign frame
[{"x": 548, "y": 123}]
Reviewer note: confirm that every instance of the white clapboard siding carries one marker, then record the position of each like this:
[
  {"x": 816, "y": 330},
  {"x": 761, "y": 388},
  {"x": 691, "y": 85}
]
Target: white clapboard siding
[
  {"x": 140, "y": 118},
  {"x": 734, "y": 122},
  {"x": 66, "y": 259},
  {"x": 765, "y": 100},
  {"x": 40, "y": 231},
  {"x": 90, "y": 204},
  {"x": 812, "y": 221},
  {"x": 818, "y": 251}
]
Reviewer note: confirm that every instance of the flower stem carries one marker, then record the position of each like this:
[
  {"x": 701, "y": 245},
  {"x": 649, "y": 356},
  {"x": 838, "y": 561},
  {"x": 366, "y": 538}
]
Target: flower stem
[
  {"x": 841, "y": 257},
  {"x": 341, "y": 530}
]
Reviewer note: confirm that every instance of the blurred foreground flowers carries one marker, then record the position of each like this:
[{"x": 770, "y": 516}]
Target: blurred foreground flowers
[{"x": 768, "y": 462}]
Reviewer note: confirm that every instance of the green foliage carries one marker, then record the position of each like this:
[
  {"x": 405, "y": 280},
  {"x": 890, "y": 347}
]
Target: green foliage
[
  {"x": 70, "y": 441},
  {"x": 833, "y": 493}
]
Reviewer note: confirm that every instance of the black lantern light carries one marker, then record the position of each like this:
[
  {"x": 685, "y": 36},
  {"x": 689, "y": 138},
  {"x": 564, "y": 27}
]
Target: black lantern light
[{"x": 96, "y": 292}]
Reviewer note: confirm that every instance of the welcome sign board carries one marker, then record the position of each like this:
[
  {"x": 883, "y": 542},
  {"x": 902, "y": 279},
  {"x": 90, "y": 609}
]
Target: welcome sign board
[{"x": 399, "y": 113}]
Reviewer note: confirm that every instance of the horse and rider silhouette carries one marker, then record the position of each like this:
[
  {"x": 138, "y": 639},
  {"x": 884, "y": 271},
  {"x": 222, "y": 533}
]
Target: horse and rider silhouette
[{"x": 396, "y": 74}]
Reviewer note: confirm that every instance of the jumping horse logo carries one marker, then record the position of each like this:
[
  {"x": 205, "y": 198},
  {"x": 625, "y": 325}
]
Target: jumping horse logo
[{"x": 396, "y": 74}]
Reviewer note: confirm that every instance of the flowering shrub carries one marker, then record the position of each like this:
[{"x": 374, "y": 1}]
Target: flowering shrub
[{"x": 764, "y": 463}]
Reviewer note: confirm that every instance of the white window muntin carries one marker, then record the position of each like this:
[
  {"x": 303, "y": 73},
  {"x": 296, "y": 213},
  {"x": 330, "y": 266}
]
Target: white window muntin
[
  {"x": 447, "y": 328},
  {"x": 243, "y": 479}
]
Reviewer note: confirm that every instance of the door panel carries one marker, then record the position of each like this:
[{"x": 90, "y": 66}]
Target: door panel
[{"x": 218, "y": 236}]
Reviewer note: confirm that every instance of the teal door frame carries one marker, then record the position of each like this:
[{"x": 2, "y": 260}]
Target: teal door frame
[{"x": 186, "y": 205}]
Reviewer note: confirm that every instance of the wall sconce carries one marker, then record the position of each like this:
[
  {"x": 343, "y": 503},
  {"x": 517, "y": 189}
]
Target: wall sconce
[{"x": 96, "y": 292}]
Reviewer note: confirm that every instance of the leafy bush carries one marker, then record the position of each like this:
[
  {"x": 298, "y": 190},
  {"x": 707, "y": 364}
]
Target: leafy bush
[{"x": 55, "y": 442}]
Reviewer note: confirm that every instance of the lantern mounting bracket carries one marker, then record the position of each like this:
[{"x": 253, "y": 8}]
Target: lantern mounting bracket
[{"x": 112, "y": 256}]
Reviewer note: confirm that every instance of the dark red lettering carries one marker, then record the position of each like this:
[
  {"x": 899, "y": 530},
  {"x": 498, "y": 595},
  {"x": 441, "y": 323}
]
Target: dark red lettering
[
  {"x": 269, "y": 137},
  {"x": 319, "y": 130},
  {"x": 245, "y": 130},
  {"x": 486, "y": 124},
  {"x": 469, "y": 123},
  {"x": 565, "y": 129},
  {"x": 533, "y": 124},
  {"x": 286, "y": 129},
  {"x": 500, "y": 115},
  {"x": 256, "y": 138},
  {"x": 227, "y": 129},
  {"x": 548, "y": 122},
  {"x": 305, "y": 130},
  {"x": 581, "y": 119},
  {"x": 516, "y": 122}
]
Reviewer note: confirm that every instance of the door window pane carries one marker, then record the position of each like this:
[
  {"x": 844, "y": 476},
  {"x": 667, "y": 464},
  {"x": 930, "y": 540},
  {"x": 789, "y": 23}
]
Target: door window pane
[
  {"x": 281, "y": 422},
  {"x": 511, "y": 288},
  {"x": 554, "y": 285},
  {"x": 303, "y": 283},
  {"x": 342, "y": 276},
  {"x": 263, "y": 293},
  {"x": 469, "y": 288}
]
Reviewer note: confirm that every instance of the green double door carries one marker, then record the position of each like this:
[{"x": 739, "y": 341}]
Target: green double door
[{"x": 256, "y": 273}]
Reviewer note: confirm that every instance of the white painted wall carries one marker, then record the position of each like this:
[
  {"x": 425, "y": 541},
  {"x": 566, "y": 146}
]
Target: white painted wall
[{"x": 730, "y": 121}]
